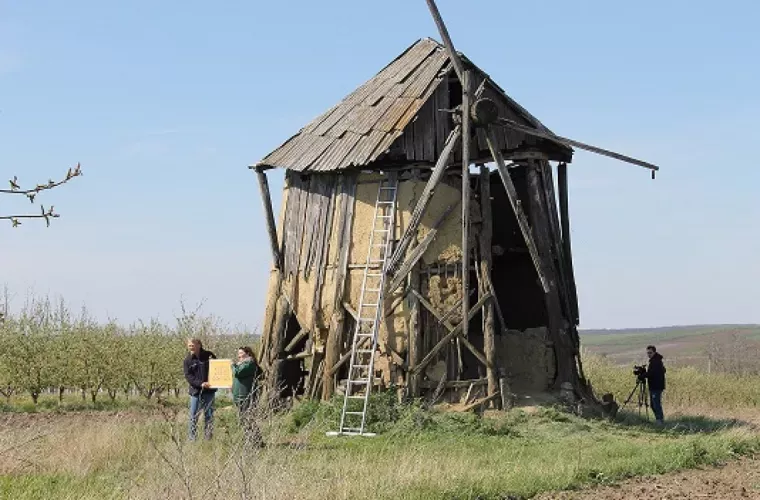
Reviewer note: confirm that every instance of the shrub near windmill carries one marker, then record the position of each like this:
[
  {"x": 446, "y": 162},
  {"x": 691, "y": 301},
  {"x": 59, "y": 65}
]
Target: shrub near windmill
[{"x": 395, "y": 266}]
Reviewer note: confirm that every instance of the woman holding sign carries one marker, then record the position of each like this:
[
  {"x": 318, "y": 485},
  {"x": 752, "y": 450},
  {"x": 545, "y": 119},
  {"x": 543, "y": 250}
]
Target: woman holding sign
[{"x": 245, "y": 374}]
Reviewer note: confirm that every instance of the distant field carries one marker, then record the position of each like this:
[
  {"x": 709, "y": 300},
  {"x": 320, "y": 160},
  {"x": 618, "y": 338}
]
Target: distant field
[{"x": 681, "y": 345}]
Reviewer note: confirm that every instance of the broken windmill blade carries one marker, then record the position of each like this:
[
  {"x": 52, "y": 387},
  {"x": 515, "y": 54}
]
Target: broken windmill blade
[{"x": 465, "y": 77}]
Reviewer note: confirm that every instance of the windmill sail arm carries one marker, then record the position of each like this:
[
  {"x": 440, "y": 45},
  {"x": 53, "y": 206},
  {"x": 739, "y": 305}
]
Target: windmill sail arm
[{"x": 571, "y": 143}]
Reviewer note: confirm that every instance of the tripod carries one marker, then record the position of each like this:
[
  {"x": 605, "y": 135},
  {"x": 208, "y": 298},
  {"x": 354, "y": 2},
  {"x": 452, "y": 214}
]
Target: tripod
[{"x": 642, "y": 397}]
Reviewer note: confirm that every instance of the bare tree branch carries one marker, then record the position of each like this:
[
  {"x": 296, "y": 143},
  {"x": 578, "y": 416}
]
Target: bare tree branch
[{"x": 31, "y": 193}]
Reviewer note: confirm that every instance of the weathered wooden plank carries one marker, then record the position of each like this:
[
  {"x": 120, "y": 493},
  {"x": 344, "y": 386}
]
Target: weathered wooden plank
[
  {"x": 335, "y": 332},
  {"x": 481, "y": 402},
  {"x": 266, "y": 200},
  {"x": 423, "y": 201},
  {"x": 514, "y": 201},
  {"x": 455, "y": 59}
]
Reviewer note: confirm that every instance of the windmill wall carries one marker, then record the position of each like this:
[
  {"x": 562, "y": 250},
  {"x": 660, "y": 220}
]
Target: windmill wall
[{"x": 321, "y": 211}]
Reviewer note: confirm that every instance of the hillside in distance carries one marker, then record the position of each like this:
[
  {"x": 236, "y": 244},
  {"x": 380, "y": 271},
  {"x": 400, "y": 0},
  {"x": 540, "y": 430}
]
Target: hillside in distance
[{"x": 680, "y": 345}]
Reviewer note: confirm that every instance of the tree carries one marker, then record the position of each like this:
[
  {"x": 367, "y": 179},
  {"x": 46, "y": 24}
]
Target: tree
[{"x": 31, "y": 194}]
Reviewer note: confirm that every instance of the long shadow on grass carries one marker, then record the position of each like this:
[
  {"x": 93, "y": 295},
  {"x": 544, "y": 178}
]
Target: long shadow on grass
[{"x": 682, "y": 424}]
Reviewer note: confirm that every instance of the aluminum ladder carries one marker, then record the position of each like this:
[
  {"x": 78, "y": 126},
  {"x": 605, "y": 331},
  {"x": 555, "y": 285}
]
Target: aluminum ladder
[{"x": 361, "y": 372}]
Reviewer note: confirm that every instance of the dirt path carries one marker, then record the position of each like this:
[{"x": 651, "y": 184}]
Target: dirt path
[{"x": 738, "y": 479}]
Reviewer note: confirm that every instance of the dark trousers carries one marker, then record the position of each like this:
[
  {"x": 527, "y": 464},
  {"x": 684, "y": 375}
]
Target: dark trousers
[{"x": 655, "y": 398}]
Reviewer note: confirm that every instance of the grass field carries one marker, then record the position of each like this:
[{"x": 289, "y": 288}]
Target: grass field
[{"x": 420, "y": 453}]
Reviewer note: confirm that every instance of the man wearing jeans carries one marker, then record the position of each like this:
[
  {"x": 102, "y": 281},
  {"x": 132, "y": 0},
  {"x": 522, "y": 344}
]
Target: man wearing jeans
[
  {"x": 201, "y": 394},
  {"x": 656, "y": 378}
]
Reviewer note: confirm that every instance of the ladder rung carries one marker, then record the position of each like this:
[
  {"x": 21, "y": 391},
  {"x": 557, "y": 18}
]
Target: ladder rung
[
  {"x": 366, "y": 319},
  {"x": 364, "y": 335},
  {"x": 392, "y": 188},
  {"x": 361, "y": 366},
  {"x": 369, "y": 305},
  {"x": 359, "y": 382},
  {"x": 383, "y": 202},
  {"x": 354, "y": 396},
  {"x": 361, "y": 413},
  {"x": 382, "y": 230},
  {"x": 364, "y": 351},
  {"x": 373, "y": 289}
]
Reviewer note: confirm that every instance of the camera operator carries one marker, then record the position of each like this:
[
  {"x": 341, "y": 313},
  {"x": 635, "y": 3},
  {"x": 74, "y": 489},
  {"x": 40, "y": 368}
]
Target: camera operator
[{"x": 655, "y": 375}]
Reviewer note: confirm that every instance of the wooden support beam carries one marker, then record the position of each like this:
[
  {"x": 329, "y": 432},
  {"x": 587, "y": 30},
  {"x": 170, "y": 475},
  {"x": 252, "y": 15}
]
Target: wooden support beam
[
  {"x": 522, "y": 219},
  {"x": 452, "y": 334},
  {"x": 266, "y": 199},
  {"x": 486, "y": 233},
  {"x": 302, "y": 333},
  {"x": 417, "y": 252},
  {"x": 424, "y": 199},
  {"x": 466, "y": 121},
  {"x": 564, "y": 211}
]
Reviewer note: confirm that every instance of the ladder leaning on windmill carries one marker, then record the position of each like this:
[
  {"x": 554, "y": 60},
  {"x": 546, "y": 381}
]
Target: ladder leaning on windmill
[{"x": 361, "y": 370}]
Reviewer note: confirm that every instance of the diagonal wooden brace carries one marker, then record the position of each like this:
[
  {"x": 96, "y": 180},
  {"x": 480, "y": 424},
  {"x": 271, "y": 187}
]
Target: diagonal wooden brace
[
  {"x": 522, "y": 219},
  {"x": 453, "y": 333}
]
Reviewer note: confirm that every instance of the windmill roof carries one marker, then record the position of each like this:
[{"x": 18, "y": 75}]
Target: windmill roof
[{"x": 362, "y": 127}]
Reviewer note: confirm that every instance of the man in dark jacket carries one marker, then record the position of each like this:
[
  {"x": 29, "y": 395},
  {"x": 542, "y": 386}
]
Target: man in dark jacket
[
  {"x": 201, "y": 394},
  {"x": 656, "y": 379}
]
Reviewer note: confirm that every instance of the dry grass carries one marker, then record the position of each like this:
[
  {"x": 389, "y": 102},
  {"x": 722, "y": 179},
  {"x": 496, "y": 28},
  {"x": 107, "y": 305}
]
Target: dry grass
[{"x": 419, "y": 454}]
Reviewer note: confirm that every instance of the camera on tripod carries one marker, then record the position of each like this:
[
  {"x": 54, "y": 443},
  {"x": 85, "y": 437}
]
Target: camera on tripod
[{"x": 640, "y": 371}]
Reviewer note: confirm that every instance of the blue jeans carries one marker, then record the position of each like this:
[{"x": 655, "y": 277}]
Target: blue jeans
[
  {"x": 655, "y": 398},
  {"x": 203, "y": 402}
]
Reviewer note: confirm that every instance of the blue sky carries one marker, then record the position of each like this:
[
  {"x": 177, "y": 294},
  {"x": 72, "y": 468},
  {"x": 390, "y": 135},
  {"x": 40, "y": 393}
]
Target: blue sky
[{"x": 166, "y": 103}]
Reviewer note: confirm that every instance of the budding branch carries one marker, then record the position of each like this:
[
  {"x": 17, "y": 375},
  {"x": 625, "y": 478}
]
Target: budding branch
[{"x": 31, "y": 193}]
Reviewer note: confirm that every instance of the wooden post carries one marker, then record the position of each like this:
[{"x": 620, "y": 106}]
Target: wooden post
[
  {"x": 415, "y": 333},
  {"x": 540, "y": 222},
  {"x": 271, "y": 228},
  {"x": 566, "y": 245},
  {"x": 275, "y": 348},
  {"x": 466, "y": 120},
  {"x": 486, "y": 232},
  {"x": 522, "y": 220}
]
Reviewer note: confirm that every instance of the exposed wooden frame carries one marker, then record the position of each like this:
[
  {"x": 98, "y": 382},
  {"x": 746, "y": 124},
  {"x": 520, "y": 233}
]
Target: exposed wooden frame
[
  {"x": 452, "y": 334},
  {"x": 302, "y": 333},
  {"x": 514, "y": 201}
]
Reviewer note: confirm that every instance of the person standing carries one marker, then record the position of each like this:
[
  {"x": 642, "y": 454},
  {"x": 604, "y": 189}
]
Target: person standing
[
  {"x": 196, "y": 369},
  {"x": 656, "y": 379},
  {"x": 245, "y": 389}
]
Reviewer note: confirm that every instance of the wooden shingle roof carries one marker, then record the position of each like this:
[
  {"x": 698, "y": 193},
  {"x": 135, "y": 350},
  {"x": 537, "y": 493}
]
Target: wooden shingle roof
[{"x": 367, "y": 122}]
